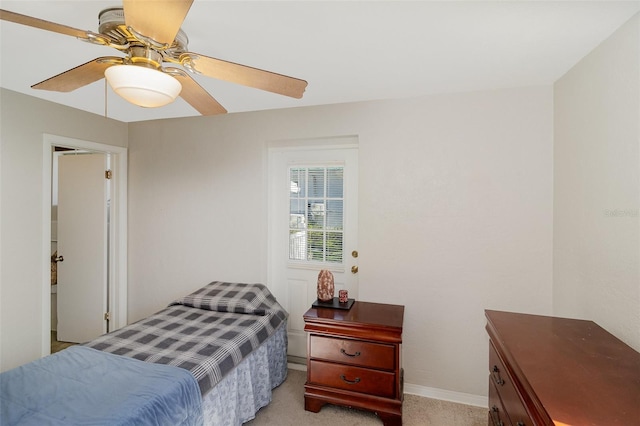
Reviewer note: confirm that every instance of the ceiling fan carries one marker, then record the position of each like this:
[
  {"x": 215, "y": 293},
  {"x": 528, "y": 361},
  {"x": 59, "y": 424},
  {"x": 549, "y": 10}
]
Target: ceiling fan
[{"x": 148, "y": 32}]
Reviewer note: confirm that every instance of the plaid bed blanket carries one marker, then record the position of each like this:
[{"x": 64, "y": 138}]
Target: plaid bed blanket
[{"x": 208, "y": 332}]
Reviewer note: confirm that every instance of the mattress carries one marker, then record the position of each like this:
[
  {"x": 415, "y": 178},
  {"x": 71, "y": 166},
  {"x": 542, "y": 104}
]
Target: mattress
[{"x": 209, "y": 332}]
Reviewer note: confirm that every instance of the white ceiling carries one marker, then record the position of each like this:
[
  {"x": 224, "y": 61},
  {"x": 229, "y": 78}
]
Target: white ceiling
[{"x": 347, "y": 50}]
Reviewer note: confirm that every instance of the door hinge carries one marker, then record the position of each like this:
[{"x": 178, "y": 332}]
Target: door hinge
[
  {"x": 108, "y": 174},
  {"x": 107, "y": 316}
]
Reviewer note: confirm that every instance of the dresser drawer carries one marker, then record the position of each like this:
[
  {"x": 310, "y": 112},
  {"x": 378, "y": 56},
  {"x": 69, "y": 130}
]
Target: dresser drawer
[
  {"x": 504, "y": 385},
  {"x": 356, "y": 379},
  {"x": 353, "y": 352},
  {"x": 497, "y": 415}
]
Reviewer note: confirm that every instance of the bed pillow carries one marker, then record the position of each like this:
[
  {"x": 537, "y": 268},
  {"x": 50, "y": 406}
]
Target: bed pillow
[{"x": 254, "y": 299}]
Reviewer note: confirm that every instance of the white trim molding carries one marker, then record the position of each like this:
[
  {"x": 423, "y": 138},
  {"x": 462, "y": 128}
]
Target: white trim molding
[{"x": 447, "y": 395}]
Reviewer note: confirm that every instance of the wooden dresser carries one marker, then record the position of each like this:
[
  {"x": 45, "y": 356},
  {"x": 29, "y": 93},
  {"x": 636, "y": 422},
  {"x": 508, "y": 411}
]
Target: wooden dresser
[
  {"x": 556, "y": 371},
  {"x": 354, "y": 359}
]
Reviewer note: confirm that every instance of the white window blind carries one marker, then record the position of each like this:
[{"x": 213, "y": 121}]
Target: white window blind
[{"x": 316, "y": 220}]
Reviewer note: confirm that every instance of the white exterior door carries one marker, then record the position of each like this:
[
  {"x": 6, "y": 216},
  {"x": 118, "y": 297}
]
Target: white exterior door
[
  {"x": 313, "y": 214},
  {"x": 82, "y": 242}
]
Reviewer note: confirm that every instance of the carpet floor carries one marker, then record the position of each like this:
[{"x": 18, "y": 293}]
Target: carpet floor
[
  {"x": 57, "y": 346},
  {"x": 287, "y": 409}
]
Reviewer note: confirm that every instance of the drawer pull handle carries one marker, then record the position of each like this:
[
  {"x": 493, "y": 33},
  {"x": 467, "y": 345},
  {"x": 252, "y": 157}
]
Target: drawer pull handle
[
  {"x": 520, "y": 424},
  {"x": 344, "y": 379},
  {"x": 495, "y": 417},
  {"x": 496, "y": 376},
  {"x": 351, "y": 355}
]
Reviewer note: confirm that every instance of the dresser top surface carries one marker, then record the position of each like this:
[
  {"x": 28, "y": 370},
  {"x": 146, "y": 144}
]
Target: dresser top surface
[
  {"x": 373, "y": 314},
  {"x": 580, "y": 373}
]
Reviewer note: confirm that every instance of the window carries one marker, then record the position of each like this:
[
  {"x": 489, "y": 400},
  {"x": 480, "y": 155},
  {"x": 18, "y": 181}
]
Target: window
[{"x": 316, "y": 214}]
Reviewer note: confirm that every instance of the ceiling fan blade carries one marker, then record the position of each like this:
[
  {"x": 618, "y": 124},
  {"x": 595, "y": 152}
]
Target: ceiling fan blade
[
  {"x": 30, "y": 21},
  {"x": 79, "y": 76},
  {"x": 242, "y": 74},
  {"x": 159, "y": 20},
  {"x": 197, "y": 97}
]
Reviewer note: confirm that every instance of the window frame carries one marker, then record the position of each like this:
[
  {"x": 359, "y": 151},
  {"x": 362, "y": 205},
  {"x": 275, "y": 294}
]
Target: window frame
[{"x": 314, "y": 264}]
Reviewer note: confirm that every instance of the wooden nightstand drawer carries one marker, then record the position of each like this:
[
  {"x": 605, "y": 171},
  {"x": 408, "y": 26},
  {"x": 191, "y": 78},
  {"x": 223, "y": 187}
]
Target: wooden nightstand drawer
[
  {"x": 356, "y": 379},
  {"x": 505, "y": 387},
  {"x": 353, "y": 352}
]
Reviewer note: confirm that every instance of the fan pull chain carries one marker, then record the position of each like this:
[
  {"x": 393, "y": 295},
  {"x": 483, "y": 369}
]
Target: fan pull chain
[{"x": 105, "y": 98}]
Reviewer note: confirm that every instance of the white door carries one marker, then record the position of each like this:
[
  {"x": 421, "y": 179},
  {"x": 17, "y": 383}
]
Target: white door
[
  {"x": 82, "y": 242},
  {"x": 313, "y": 213}
]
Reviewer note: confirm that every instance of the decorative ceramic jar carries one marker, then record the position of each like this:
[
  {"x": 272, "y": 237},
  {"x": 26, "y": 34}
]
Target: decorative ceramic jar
[{"x": 326, "y": 287}]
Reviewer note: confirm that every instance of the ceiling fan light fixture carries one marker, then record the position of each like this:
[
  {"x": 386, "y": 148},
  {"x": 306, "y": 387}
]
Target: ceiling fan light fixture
[{"x": 142, "y": 86}]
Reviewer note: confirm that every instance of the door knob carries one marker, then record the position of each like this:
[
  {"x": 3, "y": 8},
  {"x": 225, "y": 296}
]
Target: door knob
[
  {"x": 354, "y": 269},
  {"x": 57, "y": 259}
]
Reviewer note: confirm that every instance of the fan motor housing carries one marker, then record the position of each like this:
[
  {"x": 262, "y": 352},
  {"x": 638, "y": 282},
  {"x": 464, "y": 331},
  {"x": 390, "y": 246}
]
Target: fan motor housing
[{"x": 112, "y": 23}]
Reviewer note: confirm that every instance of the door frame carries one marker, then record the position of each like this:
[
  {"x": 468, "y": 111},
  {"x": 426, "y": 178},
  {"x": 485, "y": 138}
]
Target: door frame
[{"x": 117, "y": 233}]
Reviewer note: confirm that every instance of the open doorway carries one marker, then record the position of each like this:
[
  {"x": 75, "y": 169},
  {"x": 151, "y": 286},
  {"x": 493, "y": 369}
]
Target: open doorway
[{"x": 107, "y": 302}]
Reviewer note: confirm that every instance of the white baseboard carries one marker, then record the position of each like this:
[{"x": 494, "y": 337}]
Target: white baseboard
[
  {"x": 447, "y": 395},
  {"x": 427, "y": 392},
  {"x": 296, "y": 366}
]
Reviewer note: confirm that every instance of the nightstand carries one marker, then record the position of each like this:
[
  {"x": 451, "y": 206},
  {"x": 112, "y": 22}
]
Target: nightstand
[{"x": 354, "y": 359}]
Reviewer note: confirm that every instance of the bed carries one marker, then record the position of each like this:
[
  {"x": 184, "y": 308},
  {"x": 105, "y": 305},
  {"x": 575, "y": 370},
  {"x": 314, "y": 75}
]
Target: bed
[{"x": 226, "y": 343}]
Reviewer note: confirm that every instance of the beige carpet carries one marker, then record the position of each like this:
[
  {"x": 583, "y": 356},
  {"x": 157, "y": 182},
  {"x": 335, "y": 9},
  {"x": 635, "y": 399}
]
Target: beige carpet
[
  {"x": 57, "y": 346},
  {"x": 287, "y": 409}
]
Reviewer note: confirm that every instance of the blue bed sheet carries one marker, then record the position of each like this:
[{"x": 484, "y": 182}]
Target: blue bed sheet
[{"x": 84, "y": 386}]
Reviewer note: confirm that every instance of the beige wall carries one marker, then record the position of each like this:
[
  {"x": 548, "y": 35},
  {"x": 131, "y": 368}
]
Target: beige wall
[
  {"x": 23, "y": 121},
  {"x": 597, "y": 187},
  {"x": 455, "y": 212}
]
